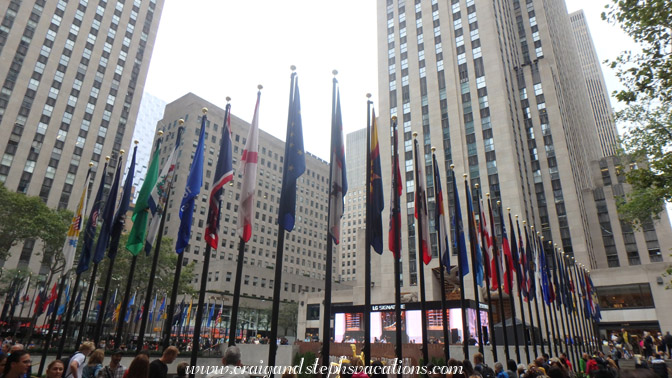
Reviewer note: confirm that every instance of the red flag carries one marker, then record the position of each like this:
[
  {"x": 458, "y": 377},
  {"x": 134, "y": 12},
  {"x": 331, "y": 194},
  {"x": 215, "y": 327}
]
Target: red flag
[
  {"x": 421, "y": 206},
  {"x": 248, "y": 166},
  {"x": 52, "y": 297},
  {"x": 395, "y": 206}
]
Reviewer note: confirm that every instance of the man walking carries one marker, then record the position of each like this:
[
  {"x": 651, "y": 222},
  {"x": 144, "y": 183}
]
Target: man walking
[{"x": 159, "y": 367}]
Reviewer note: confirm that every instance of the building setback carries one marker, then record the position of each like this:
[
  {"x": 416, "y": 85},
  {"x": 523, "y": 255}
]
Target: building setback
[{"x": 72, "y": 75}]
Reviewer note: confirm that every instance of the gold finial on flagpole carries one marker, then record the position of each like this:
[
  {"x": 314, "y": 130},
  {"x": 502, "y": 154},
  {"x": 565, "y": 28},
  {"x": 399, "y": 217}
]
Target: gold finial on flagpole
[
  {"x": 107, "y": 158},
  {"x": 160, "y": 133},
  {"x": 532, "y": 226},
  {"x": 368, "y": 95},
  {"x": 524, "y": 222},
  {"x": 499, "y": 203},
  {"x": 204, "y": 110},
  {"x": 452, "y": 167},
  {"x": 433, "y": 148},
  {"x": 508, "y": 209},
  {"x": 180, "y": 122},
  {"x": 487, "y": 194},
  {"x": 121, "y": 152},
  {"x": 260, "y": 87},
  {"x": 228, "y": 99},
  {"x": 90, "y": 164},
  {"x": 476, "y": 185},
  {"x": 292, "y": 67},
  {"x": 394, "y": 118},
  {"x": 464, "y": 175},
  {"x": 415, "y": 134},
  {"x": 334, "y": 72},
  {"x": 516, "y": 216}
]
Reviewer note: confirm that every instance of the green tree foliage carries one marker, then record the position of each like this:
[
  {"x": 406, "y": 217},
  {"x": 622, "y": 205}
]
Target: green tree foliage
[
  {"x": 647, "y": 78},
  {"x": 288, "y": 317}
]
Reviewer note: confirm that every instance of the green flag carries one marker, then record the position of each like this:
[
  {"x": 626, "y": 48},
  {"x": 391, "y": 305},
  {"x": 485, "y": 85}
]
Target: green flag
[{"x": 136, "y": 240}]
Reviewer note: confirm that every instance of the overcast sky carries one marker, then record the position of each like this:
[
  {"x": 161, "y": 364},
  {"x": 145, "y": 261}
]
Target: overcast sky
[{"x": 219, "y": 48}]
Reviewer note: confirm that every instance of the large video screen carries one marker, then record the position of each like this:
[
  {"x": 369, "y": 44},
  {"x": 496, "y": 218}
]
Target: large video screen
[{"x": 349, "y": 327}]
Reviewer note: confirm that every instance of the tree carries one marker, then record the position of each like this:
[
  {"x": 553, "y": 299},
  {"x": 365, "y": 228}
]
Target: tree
[
  {"x": 288, "y": 317},
  {"x": 647, "y": 78},
  {"x": 163, "y": 280},
  {"x": 22, "y": 218}
]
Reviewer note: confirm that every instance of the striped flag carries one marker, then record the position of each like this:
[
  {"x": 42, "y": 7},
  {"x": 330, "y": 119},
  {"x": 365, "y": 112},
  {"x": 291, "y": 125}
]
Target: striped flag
[
  {"x": 91, "y": 226},
  {"x": 108, "y": 217},
  {"x": 339, "y": 181},
  {"x": 458, "y": 236},
  {"x": 421, "y": 206},
  {"x": 70, "y": 245},
  {"x": 397, "y": 190},
  {"x": 377, "y": 203},
  {"x": 223, "y": 174},
  {"x": 248, "y": 167},
  {"x": 473, "y": 237},
  {"x": 508, "y": 258},
  {"x": 440, "y": 217},
  {"x": 159, "y": 196}
]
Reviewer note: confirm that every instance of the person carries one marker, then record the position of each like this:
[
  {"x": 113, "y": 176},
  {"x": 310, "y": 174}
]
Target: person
[
  {"x": 358, "y": 364},
  {"x": 648, "y": 344},
  {"x": 94, "y": 365},
  {"x": 115, "y": 369},
  {"x": 55, "y": 369},
  {"x": 564, "y": 359},
  {"x": 231, "y": 360},
  {"x": 499, "y": 370},
  {"x": 76, "y": 362},
  {"x": 3, "y": 362},
  {"x": 667, "y": 342},
  {"x": 511, "y": 368},
  {"x": 468, "y": 368},
  {"x": 377, "y": 369},
  {"x": 182, "y": 370},
  {"x": 591, "y": 365},
  {"x": 481, "y": 367},
  {"x": 659, "y": 366},
  {"x": 17, "y": 365},
  {"x": 139, "y": 367},
  {"x": 159, "y": 367},
  {"x": 520, "y": 370}
]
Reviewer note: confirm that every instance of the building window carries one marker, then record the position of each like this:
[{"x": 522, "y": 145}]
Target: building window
[
  {"x": 313, "y": 312},
  {"x": 625, "y": 296}
]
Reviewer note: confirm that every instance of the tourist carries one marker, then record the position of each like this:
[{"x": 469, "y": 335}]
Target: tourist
[
  {"x": 468, "y": 368},
  {"x": 139, "y": 367},
  {"x": 499, "y": 370},
  {"x": 479, "y": 365},
  {"x": 565, "y": 360},
  {"x": 17, "y": 365},
  {"x": 55, "y": 369},
  {"x": 159, "y": 367},
  {"x": 358, "y": 364},
  {"x": 182, "y": 370},
  {"x": 648, "y": 344},
  {"x": 667, "y": 342},
  {"x": 659, "y": 366},
  {"x": 76, "y": 362},
  {"x": 115, "y": 369},
  {"x": 94, "y": 365},
  {"x": 231, "y": 360},
  {"x": 582, "y": 362},
  {"x": 511, "y": 369},
  {"x": 377, "y": 369}
]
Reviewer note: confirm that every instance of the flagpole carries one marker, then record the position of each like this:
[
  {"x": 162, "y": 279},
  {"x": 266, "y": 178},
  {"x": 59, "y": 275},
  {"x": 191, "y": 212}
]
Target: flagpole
[
  {"x": 367, "y": 243},
  {"x": 486, "y": 268},
  {"x": 519, "y": 277},
  {"x": 498, "y": 267},
  {"x": 512, "y": 303},
  {"x": 396, "y": 218},
  {"x": 461, "y": 263},
  {"x": 440, "y": 229},
  {"x": 473, "y": 244},
  {"x": 326, "y": 316},
  {"x": 570, "y": 311},
  {"x": 555, "y": 329},
  {"x": 52, "y": 324},
  {"x": 68, "y": 315},
  {"x": 580, "y": 303},
  {"x": 419, "y": 254},
  {"x": 530, "y": 298},
  {"x": 155, "y": 262}
]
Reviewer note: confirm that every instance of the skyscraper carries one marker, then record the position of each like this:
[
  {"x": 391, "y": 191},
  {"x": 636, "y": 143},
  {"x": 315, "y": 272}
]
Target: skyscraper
[
  {"x": 597, "y": 89},
  {"x": 72, "y": 76}
]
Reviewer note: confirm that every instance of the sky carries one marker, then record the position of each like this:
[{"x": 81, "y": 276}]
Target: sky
[{"x": 220, "y": 48}]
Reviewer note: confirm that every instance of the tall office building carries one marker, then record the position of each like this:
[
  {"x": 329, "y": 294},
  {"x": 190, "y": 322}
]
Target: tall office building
[
  {"x": 597, "y": 89},
  {"x": 305, "y": 246},
  {"x": 72, "y": 76},
  {"x": 149, "y": 114},
  {"x": 497, "y": 87}
]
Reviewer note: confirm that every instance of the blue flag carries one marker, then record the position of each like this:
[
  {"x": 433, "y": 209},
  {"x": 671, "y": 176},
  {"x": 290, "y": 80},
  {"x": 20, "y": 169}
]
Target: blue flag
[
  {"x": 211, "y": 314},
  {"x": 473, "y": 237},
  {"x": 62, "y": 306},
  {"x": 128, "y": 309},
  {"x": 458, "y": 240},
  {"x": 191, "y": 191},
  {"x": 91, "y": 226},
  {"x": 120, "y": 216},
  {"x": 108, "y": 217},
  {"x": 295, "y": 159},
  {"x": 515, "y": 256},
  {"x": 161, "y": 309},
  {"x": 78, "y": 300},
  {"x": 543, "y": 271}
]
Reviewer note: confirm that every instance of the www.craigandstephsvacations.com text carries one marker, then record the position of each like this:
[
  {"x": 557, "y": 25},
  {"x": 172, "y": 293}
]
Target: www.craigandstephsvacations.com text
[{"x": 330, "y": 371}]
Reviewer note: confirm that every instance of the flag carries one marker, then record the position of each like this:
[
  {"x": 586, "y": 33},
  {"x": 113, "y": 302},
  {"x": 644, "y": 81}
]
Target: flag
[
  {"x": 495, "y": 262},
  {"x": 136, "y": 239},
  {"x": 191, "y": 191},
  {"x": 515, "y": 256},
  {"x": 70, "y": 246},
  {"x": 138, "y": 314},
  {"x": 211, "y": 314},
  {"x": 339, "y": 181},
  {"x": 531, "y": 280},
  {"x": 486, "y": 242},
  {"x": 108, "y": 217},
  {"x": 459, "y": 243},
  {"x": 546, "y": 289},
  {"x": 120, "y": 216},
  {"x": 219, "y": 315},
  {"x": 223, "y": 174},
  {"x": 524, "y": 264},
  {"x": 111, "y": 305},
  {"x": 248, "y": 167},
  {"x": 395, "y": 206},
  {"x": 473, "y": 237},
  {"x": 127, "y": 314},
  {"x": 377, "y": 203},
  {"x": 440, "y": 217},
  {"x": 508, "y": 259},
  {"x": 421, "y": 207},
  {"x": 91, "y": 226},
  {"x": 295, "y": 159},
  {"x": 556, "y": 280},
  {"x": 78, "y": 302},
  {"x": 115, "y": 317},
  {"x": 39, "y": 299},
  {"x": 162, "y": 309},
  {"x": 151, "y": 309},
  {"x": 189, "y": 311},
  {"x": 63, "y": 305},
  {"x": 159, "y": 197}
]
